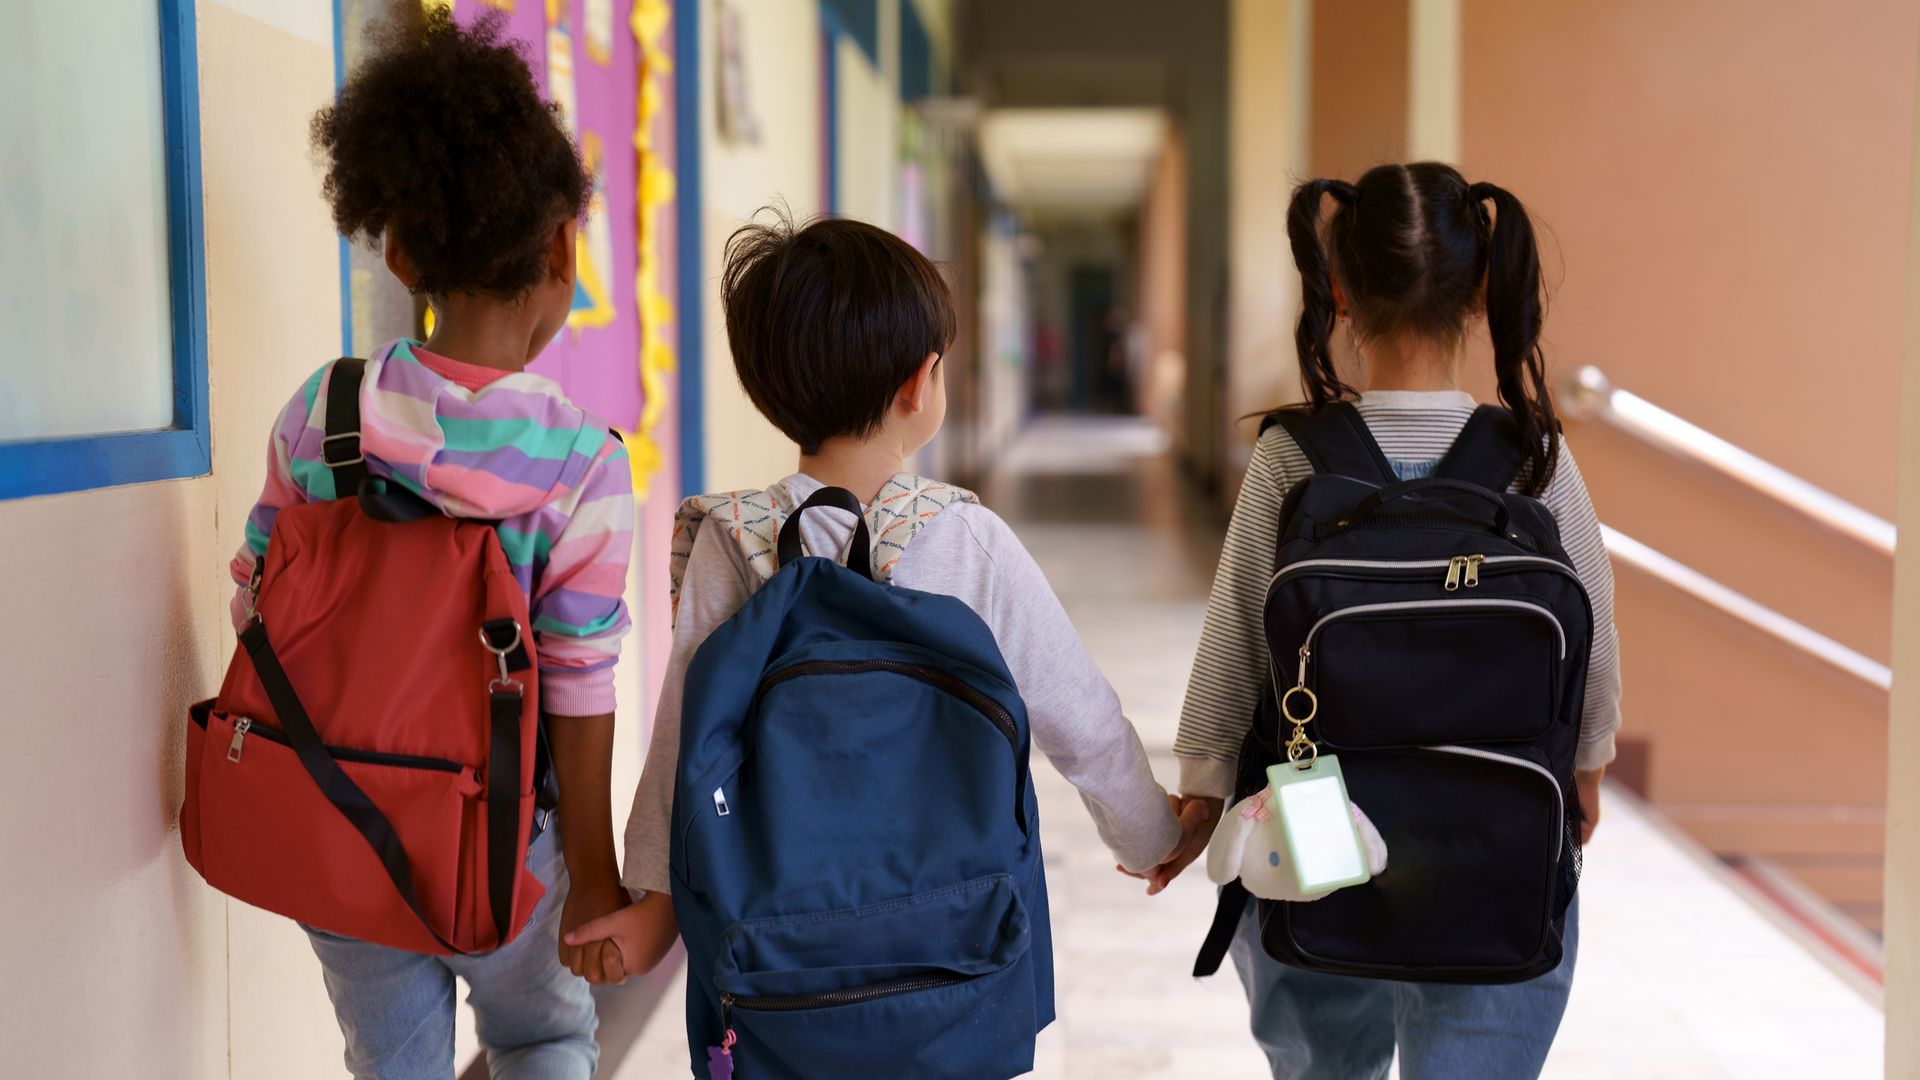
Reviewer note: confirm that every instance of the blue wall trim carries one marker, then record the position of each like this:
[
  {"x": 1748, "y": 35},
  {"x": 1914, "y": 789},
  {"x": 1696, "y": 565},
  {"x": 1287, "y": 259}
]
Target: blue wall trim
[
  {"x": 693, "y": 311},
  {"x": 916, "y": 54},
  {"x": 859, "y": 20},
  {"x": 831, "y": 28},
  {"x": 346, "y": 250},
  {"x": 48, "y": 466}
]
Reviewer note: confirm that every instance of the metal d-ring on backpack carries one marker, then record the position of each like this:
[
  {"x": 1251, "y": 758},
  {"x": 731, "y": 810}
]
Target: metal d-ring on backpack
[
  {"x": 856, "y": 849},
  {"x": 370, "y": 765},
  {"x": 1444, "y": 634}
]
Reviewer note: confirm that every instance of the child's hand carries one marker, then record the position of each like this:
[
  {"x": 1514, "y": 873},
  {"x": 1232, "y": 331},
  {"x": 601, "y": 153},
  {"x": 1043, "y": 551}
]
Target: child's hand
[
  {"x": 1586, "y": 785},
  {"x": 1198, "y": 816},
  {"x": 634, "y": 938},
  {"x": 587, "y": 902}
]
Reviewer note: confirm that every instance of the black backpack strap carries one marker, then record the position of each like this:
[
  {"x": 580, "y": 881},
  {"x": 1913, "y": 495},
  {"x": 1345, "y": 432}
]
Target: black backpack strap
[
  {"x": 333, "y": 782},
  {"x": 340, "y": 450},
  {"x": 1234, "y": 899},
  {"x": 504, "y": 698},
  {"x": 1335, "y": 440},
  {"x": 1489, "y": 450}
]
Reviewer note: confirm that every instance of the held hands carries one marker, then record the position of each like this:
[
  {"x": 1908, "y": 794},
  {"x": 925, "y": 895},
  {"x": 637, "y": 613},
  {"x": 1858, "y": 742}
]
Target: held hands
[
  {"x": 590, "y": 902},
  {"x": 1198, "y": 816},
  {"x": 633, "y": 939}
]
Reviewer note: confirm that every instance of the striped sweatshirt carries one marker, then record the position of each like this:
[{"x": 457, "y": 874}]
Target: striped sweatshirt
[
  {"x": 506, "y": 448},
  {"x": 1414, "y": 430}
]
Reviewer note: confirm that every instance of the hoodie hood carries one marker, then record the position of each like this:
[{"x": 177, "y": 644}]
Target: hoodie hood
[{"x": 508, "y": 448}]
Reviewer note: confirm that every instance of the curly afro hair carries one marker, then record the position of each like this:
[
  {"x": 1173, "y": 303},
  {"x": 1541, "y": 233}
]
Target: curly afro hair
[{"x": 441, "y": 137}]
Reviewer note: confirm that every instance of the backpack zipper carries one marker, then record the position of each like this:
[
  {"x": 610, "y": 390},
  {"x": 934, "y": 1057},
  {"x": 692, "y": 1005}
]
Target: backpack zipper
[
  {"x": 835, "y": 998},
  {"x": 1559, "y": 797},
  {"x": 1456, "y": 570},
  {"x": 244, "y": 726},
  {"x": 1424, "y": 605},
  {"x": 932, "y": 676}
]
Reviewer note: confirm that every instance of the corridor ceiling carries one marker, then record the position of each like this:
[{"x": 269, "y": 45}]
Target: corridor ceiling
[{"x": 1091, "y": 161}]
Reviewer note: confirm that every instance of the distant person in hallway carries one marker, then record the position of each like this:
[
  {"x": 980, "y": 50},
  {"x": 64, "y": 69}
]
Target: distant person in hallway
[
  {"x": 837, "y": 331},
  {"x": 440, "y": 147},
  {"x": 1410, "y": 257}
]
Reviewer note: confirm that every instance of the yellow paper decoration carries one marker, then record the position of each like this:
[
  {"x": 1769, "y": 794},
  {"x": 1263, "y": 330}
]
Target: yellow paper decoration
[{"x": 654, "y": 190}]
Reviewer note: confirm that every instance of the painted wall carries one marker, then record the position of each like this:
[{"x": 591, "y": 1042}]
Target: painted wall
[
  {"x": 1273, "y": 45},
  {"x": 119, "y": 597},
  {"x": 1162, "y": 266},
  {"x": 139, "y": 968},
  {"x": 783, "y": 78},
  {"x": 1716, "y": 233},
  {"x": 1359, "y": 72},
  {"x": 1903, "y": 743},
  {"x": 868, "y": 100}
]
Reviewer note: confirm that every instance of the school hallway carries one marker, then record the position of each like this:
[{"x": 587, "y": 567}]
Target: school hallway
[{"x": 1682, "y": 974}]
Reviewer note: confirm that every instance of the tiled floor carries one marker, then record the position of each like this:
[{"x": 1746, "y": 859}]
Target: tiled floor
[{"x": 1680, "y": 977}]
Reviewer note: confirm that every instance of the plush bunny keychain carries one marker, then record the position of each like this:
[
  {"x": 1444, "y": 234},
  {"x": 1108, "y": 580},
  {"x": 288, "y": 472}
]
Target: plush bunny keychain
[{"x": 1248, "y": 846}]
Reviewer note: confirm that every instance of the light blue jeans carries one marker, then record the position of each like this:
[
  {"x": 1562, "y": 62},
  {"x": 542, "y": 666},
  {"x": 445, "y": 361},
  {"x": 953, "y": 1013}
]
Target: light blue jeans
[
  {"x": 1337, "y": 1027},
  {"x": 535, "y": 1018}
]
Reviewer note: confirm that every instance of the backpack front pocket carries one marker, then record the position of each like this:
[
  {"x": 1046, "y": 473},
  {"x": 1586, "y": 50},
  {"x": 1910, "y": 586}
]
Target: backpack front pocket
[
  {"x": 1406, "y": 673},
  {"x": 262, "y": 832},
  {"x": 1470, "y": 892},
  {"x": 910, "y": 987}
]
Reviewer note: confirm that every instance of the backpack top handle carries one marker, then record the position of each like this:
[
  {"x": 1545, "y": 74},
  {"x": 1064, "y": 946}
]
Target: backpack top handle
[{"x": 859, "y": 554}]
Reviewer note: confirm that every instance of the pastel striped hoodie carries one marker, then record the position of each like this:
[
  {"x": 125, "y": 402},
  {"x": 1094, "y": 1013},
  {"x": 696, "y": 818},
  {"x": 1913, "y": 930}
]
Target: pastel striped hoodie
[{"x": 516, "y": 452}]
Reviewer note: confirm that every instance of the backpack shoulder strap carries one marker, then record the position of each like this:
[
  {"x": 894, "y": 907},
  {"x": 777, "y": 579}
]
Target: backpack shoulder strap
[
  {"x": 906, "y": 505},
  {"x": 1335, "y": 440},
  {"x": 340, "y": 450},
  {"x": 753, "y": 518},
  {"x": 1489, "y": 451},
  {"x": 750, "y": 517}
]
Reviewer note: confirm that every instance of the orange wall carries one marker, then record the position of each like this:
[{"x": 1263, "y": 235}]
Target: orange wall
[
  {"x": 1358, "y": 115},
  {"x": 1162, "y": 293},
  {"x": 1721, "y": 189}
]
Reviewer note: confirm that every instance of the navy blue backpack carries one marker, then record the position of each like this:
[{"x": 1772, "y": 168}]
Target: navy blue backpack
[{"x": 856, "y": 844}]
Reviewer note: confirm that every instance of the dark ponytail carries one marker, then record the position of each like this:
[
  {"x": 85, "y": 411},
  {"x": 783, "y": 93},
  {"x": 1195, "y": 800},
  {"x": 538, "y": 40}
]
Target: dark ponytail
[
  {"x": 1313, "y": 338},
  {"x": 1516, "y": 306},
  {"x": 1412, "y": 246}
]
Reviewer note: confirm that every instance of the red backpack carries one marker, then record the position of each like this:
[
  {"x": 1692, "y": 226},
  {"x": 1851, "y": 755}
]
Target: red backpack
[{"x": 369, "y": 766}]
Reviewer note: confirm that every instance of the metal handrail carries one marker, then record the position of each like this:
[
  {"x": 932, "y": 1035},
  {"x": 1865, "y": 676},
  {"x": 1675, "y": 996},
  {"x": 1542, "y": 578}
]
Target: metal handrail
[
  {"x": 1591, "y": 394},
  {"x": 1762, "y": 618}
]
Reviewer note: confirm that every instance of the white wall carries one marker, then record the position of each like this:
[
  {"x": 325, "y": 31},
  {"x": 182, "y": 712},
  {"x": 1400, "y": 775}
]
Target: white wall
[
  {"x": 783, "y": 82},
  {"x": 121, "y": 962},
  {"x": 869, "y": 133}
]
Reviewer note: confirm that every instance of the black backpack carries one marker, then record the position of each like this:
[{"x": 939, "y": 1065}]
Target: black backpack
[{"x": 1444, "y": 634}]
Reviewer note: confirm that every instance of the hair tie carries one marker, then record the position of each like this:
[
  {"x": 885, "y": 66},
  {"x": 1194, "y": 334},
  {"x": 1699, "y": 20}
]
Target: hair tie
[{"x": 1343, "y": 192}]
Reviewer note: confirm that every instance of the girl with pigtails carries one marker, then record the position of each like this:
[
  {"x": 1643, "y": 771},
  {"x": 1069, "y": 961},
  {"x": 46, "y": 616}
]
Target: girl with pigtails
[{"x": 1403, "y": 263}]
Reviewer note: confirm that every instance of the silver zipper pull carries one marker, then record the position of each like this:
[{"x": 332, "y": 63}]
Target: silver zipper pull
[
  {"x": 1454, "y": 566},
  {"x": 1305, "y": 655},
  {"x": 1473, "y": 570},
  {"x": 240, "y": 727},
  {"x": 720, "y": 807}
]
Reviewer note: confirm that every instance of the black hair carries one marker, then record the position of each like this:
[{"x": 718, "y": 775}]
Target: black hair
[
  {"x": 828, "y": 321},
  {"x": 1410, "y": 246},
  {"x": 441, "y": 137}
]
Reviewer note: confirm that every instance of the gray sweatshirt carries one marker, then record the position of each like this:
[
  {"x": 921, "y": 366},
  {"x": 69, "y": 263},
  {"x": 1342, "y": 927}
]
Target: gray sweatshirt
[{"x": 969, "y": 553}]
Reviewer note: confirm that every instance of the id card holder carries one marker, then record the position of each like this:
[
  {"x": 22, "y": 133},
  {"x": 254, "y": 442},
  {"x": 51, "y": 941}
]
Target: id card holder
[{"x": 1312, "y": 816}]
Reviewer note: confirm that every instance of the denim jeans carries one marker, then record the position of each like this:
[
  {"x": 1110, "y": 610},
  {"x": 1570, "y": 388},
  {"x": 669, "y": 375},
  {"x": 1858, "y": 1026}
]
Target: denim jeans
[
  {"x": 1337, "y": 1027},
  {"x": 535, "y": 1018}
]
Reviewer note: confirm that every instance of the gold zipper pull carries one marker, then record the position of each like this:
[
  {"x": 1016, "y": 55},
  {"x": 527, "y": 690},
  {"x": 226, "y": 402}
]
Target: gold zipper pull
[
  {"x": 1473, "y": 570},
  {"x": 240, "y": 727},
  {"x": 1454, "y": 566}
]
